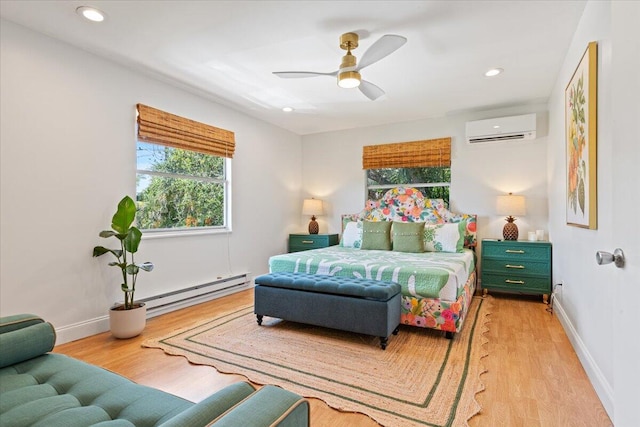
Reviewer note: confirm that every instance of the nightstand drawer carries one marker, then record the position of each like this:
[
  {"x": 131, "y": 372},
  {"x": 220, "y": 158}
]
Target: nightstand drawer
[
  {"x": 515, "y": 283},
  {"x": 516, "y": 251},
  {"x": 303, "y": 242},
  {"x": 516, "y": 267}
]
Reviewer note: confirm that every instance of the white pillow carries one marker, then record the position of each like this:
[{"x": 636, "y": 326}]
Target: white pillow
[
  {"x": 352, "y": 235},
  {"x": 448, "y": 237}
]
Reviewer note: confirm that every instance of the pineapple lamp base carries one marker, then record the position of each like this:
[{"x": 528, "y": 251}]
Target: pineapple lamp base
[
  {"x": 510, "y": 230},
  {"x": 313, "y": 226}
]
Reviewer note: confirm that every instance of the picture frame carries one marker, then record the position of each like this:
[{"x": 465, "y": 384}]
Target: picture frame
[{"x": 580, "y": 105}]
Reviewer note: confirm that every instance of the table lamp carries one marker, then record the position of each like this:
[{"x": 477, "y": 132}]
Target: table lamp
[{"x": 312, "y": 207}]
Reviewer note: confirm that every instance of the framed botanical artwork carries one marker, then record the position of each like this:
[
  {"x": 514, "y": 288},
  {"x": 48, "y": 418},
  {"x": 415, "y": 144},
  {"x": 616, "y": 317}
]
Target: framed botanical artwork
[{"x": 580, "y": 106}]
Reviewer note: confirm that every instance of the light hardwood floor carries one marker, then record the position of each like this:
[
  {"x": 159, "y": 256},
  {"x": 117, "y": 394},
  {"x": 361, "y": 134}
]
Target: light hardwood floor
[{"x": 533, "y": 375}]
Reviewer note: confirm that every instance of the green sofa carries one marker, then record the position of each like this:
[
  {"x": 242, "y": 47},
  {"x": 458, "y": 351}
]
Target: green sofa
[{"x": 38, "y": 388}]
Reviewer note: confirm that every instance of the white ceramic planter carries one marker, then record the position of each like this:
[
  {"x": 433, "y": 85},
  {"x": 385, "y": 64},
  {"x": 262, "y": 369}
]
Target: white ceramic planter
[{"x": 127, "y": 323}]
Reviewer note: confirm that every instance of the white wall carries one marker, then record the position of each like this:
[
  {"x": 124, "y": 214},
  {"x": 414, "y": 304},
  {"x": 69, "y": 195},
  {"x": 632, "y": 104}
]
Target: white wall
[
  {"x": 68, "y": 156},
  {"x": 332, "y": 169},
  {"x": 585, "y": 302}
]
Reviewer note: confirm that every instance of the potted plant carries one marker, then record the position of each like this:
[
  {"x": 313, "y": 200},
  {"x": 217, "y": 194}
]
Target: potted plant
[{"x": 128, "y": 319}]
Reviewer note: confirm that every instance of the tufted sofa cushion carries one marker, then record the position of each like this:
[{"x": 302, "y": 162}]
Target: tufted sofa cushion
[
  {"x": 54, "y": 389},
  {"x": 349, "y": 286}
]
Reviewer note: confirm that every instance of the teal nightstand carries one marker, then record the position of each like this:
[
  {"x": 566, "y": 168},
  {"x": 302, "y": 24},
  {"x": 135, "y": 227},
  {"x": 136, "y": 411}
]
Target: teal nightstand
[
  {"x": 521, "y": 267},
  {"x": 303, "y": 242}
]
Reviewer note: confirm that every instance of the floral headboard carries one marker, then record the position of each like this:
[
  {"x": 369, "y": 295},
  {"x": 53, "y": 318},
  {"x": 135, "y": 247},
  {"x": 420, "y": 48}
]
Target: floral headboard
[{"x": 407, "y": 204}]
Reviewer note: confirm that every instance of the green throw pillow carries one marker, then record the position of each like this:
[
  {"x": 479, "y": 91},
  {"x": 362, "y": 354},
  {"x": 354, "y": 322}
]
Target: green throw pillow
[
  {"x": 408, "y": 236},
  {"x": 376, "y": 235}
]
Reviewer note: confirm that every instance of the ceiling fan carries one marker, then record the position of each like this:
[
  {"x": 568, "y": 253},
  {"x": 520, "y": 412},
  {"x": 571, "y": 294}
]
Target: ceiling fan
[{"x": 349, "y": 73}]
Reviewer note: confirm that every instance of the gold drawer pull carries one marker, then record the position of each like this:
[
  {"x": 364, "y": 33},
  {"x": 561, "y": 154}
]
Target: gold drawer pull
[
  {"x": 515, "y": 282},
  {"x": 511, "y": 251},
  {"x": 514, "y": 266},
  {"x": 307, "y": 241}
]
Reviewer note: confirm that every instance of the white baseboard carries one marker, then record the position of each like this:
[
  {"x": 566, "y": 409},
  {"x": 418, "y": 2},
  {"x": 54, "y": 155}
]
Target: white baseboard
[
  {"x": 600, "y": 384},
  {"x": 81, "y": 330},
  {"x": 100, "y": 324}
]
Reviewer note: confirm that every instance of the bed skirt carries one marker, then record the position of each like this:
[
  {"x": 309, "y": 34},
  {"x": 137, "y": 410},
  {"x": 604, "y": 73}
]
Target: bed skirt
[{"x": 436, "y": 313}]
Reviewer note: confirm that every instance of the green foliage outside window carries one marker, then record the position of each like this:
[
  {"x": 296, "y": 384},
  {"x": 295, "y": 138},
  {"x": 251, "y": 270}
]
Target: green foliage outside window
[
  {"x": 438, "y": 177},
  {"x": 179, "y": 188}
]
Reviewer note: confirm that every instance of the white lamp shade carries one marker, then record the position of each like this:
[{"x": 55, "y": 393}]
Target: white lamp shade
[
  {"x": 312, "y": 207},
  {"x": 510, "y": 205}
]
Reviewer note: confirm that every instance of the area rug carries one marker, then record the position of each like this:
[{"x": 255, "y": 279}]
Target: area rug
[{"x": 421, "y": 379}]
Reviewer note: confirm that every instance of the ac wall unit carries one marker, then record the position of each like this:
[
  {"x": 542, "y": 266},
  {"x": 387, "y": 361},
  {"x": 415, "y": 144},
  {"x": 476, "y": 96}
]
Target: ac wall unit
[{"x": 513, "y": 128}]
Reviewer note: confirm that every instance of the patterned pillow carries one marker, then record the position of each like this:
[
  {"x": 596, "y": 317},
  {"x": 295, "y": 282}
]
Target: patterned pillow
[
  {"x": 408, "y": 236},
  {"x": 376, "y": 235},
  {"x": 352, "y": 235},
  {"x": 470, "y": 237},
  {"x": 447, "y": 237}
]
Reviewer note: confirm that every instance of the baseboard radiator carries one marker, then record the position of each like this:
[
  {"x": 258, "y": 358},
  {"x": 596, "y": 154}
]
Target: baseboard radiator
[{"x": 170, "y": 301}]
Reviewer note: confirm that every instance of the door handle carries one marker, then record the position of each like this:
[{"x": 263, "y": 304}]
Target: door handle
[{"x": 617, "y": 257}]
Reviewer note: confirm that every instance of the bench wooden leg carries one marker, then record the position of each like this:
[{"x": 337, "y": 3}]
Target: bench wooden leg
[
  {"x": 259, "y": 319},
  {"x": 396, "y": 330},
  {"x": 449, "y": 335}
]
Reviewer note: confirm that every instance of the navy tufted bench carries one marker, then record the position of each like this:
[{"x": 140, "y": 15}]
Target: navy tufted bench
[{"x": 363, "y": 306}]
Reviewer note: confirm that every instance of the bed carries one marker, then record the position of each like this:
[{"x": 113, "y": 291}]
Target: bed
[{"x": 437, "y": 275}]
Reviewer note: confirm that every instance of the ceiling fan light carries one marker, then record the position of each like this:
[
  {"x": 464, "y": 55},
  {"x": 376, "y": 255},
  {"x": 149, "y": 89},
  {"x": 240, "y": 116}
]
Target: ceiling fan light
[{"x": 349, "y": 79}]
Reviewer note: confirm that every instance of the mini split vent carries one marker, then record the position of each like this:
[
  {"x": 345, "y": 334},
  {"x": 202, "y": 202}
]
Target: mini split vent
[{"x": 514, "y": 128}]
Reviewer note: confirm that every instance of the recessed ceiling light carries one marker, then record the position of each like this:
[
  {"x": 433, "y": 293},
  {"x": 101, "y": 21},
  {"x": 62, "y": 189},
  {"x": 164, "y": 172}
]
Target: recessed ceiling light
[
  {"x": 493, "y": 72},
  {"x": 91, "y": 13},
  {"x": 287, "y": 109}
]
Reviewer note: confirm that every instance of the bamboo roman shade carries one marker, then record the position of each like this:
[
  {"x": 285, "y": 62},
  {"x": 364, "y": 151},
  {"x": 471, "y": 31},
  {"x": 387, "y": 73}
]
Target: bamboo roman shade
[
  {"x": 159, "y": 127},
  {"x": 415, "y": 154}
]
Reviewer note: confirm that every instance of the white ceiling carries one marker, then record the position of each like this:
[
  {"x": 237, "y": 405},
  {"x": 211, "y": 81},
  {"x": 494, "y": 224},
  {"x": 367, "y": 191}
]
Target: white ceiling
[{"x": 227, "y": 51}]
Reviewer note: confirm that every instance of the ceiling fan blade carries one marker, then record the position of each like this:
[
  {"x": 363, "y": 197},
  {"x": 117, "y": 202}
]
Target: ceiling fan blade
[
  {"x": 384, "y": 46},
  {"x": 370, "y": 90},
  {"x": 302, "y": 74}
]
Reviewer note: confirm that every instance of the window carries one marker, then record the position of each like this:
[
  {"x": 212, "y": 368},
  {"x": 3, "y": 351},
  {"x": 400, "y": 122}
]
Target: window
[
  {"x": 433, "y": 182},
  {"x": 178, "y": 188},
  {"x": 425, "y": 165},
  {"x": 183, "y": 172}
]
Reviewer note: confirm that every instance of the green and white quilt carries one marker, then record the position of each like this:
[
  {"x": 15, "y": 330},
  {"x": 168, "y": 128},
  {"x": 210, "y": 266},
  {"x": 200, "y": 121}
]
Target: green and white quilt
[{"x": 427, "y": 275}]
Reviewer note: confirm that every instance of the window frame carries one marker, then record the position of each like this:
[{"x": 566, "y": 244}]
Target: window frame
[{"x": 225, "y": 181}]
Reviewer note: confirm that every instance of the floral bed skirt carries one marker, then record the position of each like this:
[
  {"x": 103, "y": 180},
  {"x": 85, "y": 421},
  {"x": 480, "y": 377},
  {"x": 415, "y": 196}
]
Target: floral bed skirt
[{"x": 439, "y": 314}]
